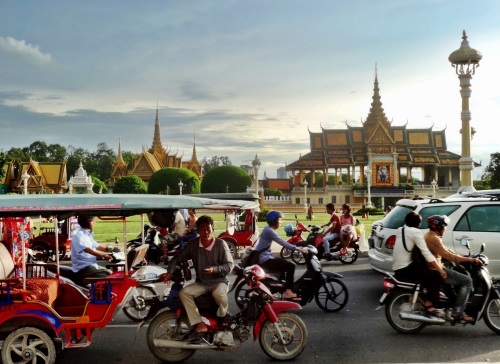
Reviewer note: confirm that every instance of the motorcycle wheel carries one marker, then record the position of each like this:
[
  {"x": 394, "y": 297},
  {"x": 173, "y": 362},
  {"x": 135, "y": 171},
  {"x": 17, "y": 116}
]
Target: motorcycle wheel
[
  {"x": 349, "y": 258},
  {"x": 28, "y": 344},
  {"x": 294, "y": 332},
  {"x": 298, "y": 258},
  {"x": 241, "y": 294},
  {"x": 168, "y": 326},
  {"x": 332, "y": 296},
  {"x": 137, "y": 311},
  {"x": 399, "y": 302},
  {"x": 285, "y": 253},
  {"x": 492, "y": 315}
]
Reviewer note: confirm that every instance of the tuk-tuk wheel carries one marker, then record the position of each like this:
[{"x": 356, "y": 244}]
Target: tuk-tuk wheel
[{"x": 28, "y": 345}]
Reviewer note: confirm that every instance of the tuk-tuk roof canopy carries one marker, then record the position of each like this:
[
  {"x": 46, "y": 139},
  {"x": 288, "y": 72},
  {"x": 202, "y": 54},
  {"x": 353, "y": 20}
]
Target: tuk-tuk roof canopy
[{"x": 109, "y": 204}]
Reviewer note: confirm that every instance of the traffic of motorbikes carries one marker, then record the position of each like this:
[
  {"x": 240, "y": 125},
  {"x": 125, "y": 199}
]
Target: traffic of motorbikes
[{"x": 259, "y": 297}]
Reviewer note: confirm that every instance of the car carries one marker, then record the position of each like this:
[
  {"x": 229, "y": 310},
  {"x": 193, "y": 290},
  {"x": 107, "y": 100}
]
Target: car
[
  {"x": 476, "y": 219},
  {"x": 477, "y": 193}
]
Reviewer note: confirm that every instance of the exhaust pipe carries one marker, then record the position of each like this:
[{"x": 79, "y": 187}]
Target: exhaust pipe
[
  {"x": 160, "y": 343},
  {"x": 421, "y": 318}
]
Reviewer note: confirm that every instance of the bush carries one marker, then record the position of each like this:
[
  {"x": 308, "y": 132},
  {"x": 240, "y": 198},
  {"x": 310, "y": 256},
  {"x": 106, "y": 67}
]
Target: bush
[
  {"x": 170, "y": 177},
  {"x": 226, "y": 179},
  {"x": 130, "y": 185}
]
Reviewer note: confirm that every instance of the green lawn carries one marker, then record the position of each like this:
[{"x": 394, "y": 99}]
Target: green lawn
[{"x": 105, "y": 231}]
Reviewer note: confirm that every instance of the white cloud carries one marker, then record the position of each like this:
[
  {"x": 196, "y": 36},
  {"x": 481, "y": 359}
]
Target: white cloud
[{"x": 20, "y": 47}]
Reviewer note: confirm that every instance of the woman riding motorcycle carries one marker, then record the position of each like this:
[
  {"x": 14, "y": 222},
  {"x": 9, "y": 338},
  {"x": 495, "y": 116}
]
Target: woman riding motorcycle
[{"x": 272, "y": 264}]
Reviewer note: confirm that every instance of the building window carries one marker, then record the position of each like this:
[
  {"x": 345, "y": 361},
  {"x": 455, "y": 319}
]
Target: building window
[
  {"x": 308, "y": 201},
  {"x": 347, "y": 199},
  {"x": 320, "y": 200},
  {"x": 334, "y": 199},
  {"x": 297, "y": 200}
]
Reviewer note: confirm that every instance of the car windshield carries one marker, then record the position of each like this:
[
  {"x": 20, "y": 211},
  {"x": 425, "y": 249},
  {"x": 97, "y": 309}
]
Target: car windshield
[{"x": 396, "y": 218}]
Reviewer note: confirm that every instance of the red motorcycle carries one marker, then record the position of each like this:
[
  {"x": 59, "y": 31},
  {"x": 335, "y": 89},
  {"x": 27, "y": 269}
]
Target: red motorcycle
[
  {"x": 295, "y": 234},
  {"x": 282, "y": 335},
  {"x": 315, "y": 238}
]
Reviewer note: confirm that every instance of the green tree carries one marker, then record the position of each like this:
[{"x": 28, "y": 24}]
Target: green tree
[
  {"x": 75, "y": 157},
  {"x": 492, "y": 171},
  {"x": 272, "y": 192},
  {"x": 38, "y": 151},
  {"x": 17, "y": 154},
  {"x": 56, "y": 153},
  {"x": 130, "y": 185},
  {"x": 99, "y": 186},
  {"x": 225, "y": 178},
  {"x": 100, "y": 162},
  {"x": 214, "y": 162},
  {"x": 171, "y": 177},
  {"x": 3, "y": 162}
]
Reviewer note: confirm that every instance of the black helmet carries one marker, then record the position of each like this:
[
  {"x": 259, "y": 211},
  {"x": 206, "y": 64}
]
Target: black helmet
[
  {"x": 273, "y": 217},
  {"x": 438, "y": 222}
]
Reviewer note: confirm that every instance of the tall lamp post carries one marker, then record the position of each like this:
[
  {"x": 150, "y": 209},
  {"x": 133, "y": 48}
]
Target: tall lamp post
[
  {"x": 305, "y": 195},
  {"x": 368, "y": 183},
  {"x": 465, "y": 60},
  {"x": 180, "y": 186},
  {"x": 256, "y": 166},
  {"x": 25, "y": 177},
  {"x": 434, "y": 184}
]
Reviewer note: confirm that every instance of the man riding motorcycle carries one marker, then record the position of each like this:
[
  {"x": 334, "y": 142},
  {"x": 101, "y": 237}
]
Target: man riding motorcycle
[{"x": 463, "y": 283}]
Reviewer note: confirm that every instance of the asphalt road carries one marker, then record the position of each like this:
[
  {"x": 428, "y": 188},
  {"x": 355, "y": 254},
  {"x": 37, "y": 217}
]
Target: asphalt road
[{"x": 357, "y": 334}]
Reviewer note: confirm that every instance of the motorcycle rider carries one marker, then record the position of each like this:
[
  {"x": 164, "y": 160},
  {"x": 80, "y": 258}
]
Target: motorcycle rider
[
  {"x": 333, "y": 230},
  {"x": 461, "y": 282},
  {"x": 404, "y": 267},
  {"x": 272, "y": 264},
  {"x": 212, "y": 262}
]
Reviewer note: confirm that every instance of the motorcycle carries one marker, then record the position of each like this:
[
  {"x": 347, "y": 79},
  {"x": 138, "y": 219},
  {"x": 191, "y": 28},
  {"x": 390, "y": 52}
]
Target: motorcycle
[
  {"x": 295, "y": 234},
  {"x": 154, "y": 240},
  {"x": 316, "y": 239},
  {"x": 329, "y": 292},
  {"x": 282, "y": 335},
  {"x": 405, "y": 311}
]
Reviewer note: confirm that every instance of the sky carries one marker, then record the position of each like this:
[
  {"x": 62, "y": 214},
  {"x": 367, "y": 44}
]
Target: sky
[{"x": 241, "y": 78}]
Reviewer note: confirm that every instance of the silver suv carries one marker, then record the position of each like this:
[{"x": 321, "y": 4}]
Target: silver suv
[{"x": 477, "y": 219}]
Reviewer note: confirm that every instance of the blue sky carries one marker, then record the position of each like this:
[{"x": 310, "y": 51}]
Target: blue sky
[{"x": 242, "y": 77}]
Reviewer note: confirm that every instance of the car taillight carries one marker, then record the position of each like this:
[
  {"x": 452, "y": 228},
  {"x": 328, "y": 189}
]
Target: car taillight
[{"x": 389, "y": 243}]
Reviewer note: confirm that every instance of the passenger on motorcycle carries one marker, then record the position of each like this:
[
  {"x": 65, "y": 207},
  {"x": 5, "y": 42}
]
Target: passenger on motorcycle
[
  {"x": 212, "y": 262},
  {"x": 272, "y": 264},
  {"x": 461, "y": 282},
  {"x": 178, "y": 228},
  {"x": 333, "y": 230},
  {"x": 85, "y": 251},
  {"x": 347, "y": 230},
  {"x": 405, "y": 268}
]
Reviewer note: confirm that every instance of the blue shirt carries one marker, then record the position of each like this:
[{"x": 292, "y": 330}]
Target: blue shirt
[
  {"x": 82, "y": 240},
  {"x": 266, "y": 238}
]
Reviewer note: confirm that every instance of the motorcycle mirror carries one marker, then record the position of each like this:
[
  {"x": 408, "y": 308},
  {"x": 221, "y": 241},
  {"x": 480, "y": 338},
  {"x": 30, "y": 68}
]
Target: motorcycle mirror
[
  {"x": 465, "y": 242},
  {"x": 482, "y": 248}
]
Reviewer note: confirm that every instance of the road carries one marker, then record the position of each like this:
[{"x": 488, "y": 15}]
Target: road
[{"x": 357, "y": 334}]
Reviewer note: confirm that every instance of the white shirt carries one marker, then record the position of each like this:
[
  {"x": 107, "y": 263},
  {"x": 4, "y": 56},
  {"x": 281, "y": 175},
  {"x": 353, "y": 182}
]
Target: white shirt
[
  {"x": 179, "y": 224},
  {"x": 413, "y": 236}
]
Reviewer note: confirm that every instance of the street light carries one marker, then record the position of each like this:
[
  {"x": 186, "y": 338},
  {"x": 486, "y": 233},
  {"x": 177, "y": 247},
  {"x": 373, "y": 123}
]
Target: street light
[
  {"x": 368, "y": 182},
  {"x": 180, "y": 186},
  {"x": 25, "y": 177},
  {"x": 256, "y": 165},
  {"x": 465, "y": 60},
  {"x": 434, "y": 184},
  {"x": 227, "y": 188},
  {"x": 305, "y": 195},
  {"x": 168, "y": 189}
]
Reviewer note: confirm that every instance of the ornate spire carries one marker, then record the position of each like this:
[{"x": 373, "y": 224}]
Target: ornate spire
[
  {"x": 119, "y": 159},
  {"x": 377, "y": 114},
  {"x": 157, "y": 139}
]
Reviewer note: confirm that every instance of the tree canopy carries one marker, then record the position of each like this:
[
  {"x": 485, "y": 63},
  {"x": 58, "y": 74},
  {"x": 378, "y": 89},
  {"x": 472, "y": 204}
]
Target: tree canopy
[
  {"x": 130, "y": 185},
  {"x": 492, "y": 171},
  {"x": 171, "y": 177},
  {"x": 214, "y": 162},
  {"x": 225, "y": 179}
]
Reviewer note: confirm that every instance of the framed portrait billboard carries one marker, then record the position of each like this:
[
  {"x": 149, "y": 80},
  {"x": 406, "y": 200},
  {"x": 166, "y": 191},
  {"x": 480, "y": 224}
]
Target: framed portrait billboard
[{"x": 382, "y": 174}]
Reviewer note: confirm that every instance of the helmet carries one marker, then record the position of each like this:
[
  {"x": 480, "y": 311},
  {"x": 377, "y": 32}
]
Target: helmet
[
  {"x": 273, "y": 217},
  {"x": 438, "y": 222},
  {"x": 289, "y": 230}
]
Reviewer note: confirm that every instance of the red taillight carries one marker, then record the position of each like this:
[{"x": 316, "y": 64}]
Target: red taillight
[
  {"x": 388, "y": 285},
  {"x": 389, "y": 243}
]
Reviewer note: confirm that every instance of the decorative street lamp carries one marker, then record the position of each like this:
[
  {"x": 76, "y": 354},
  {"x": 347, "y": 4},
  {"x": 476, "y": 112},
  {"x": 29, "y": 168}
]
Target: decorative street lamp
[
  {"x": 25, "y": 177},
  {"x": 227, "y": 188},
  {"x": 256, "y": 165},
  {"x": 305, "y": 195},
  {"x": 180, "y": 186},
  {"x": 465, "y": 60},
  {"x": 168, "y": 189},
  {"x": 434, "y": 184},
  {"x": 368, "y": 182}
]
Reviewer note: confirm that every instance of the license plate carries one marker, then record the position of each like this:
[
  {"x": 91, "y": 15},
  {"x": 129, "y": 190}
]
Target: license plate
[{"x": 382, "y": 299}]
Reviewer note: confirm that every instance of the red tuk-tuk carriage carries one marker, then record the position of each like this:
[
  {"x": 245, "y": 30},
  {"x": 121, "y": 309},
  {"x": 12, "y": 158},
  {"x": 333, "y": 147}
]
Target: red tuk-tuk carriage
[{"x": 41, "y": 313}]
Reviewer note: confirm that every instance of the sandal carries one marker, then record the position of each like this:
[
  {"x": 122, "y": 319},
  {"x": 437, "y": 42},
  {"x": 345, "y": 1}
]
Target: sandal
[
  {"x": 462, "y": 318},
  {"x": 433, "y": 311}
]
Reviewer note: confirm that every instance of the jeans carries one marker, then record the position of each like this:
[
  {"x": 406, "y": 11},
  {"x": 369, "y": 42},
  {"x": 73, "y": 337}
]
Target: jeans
[
  {"x": 463, "y": 287},
  {"x": 326, "y": 241}
]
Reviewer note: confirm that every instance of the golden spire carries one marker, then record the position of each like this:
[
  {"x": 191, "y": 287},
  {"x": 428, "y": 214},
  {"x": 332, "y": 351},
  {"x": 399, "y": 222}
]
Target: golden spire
[
  {"x": 119, "y": 159},
  {"x": 156, "y": 138}
]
